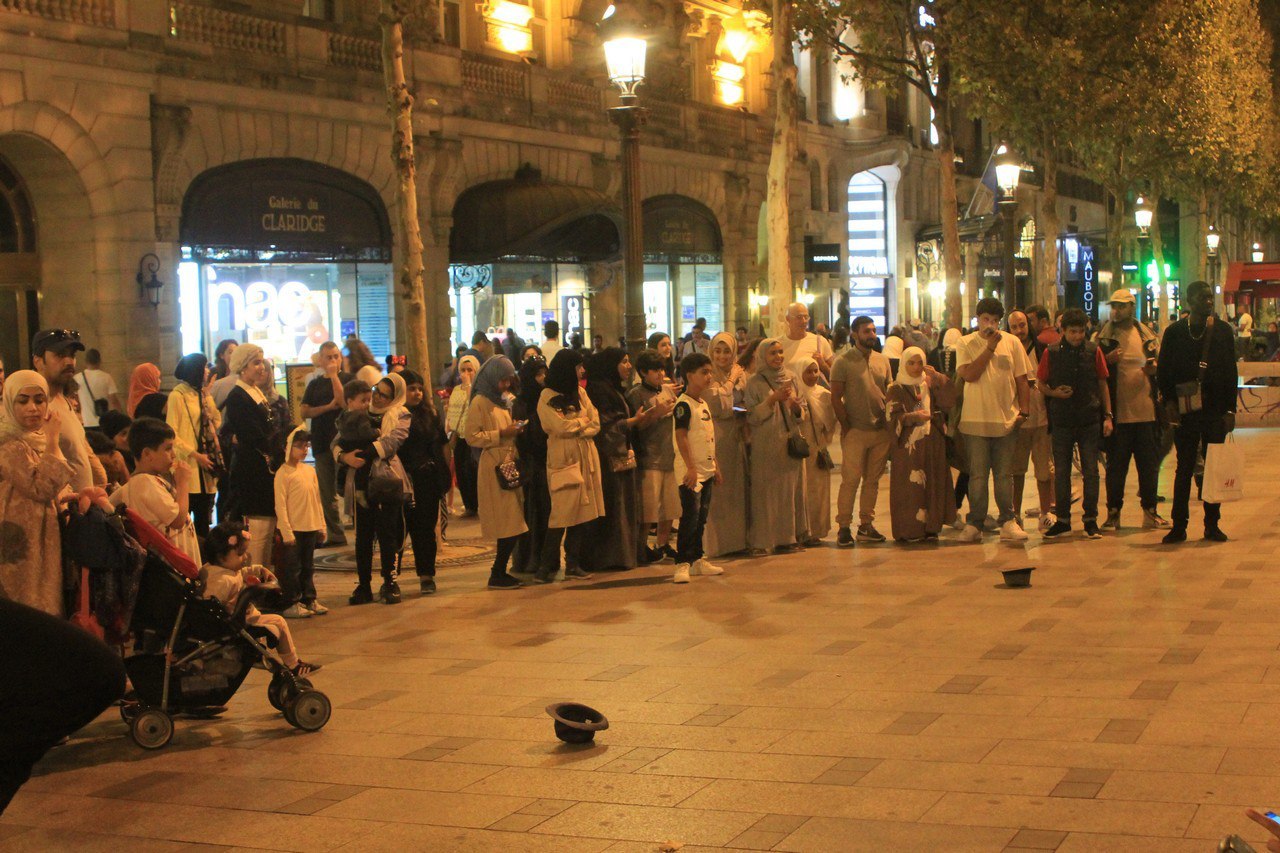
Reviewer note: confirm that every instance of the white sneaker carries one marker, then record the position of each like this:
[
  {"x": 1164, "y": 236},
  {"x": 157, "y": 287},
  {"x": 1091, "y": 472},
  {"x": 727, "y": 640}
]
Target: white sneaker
[
  {"x": 970, "y": 534},
  {"x": 1012, "y": 532},
  {"x": 702, "y": 567},
  {"x": 1046, "y": 521},
  {"x": 682, "y": 574},
  {"x": 297, "y": 611},
  {"x": 318, "y": 609},
  {"x": 958, "y": 524}
]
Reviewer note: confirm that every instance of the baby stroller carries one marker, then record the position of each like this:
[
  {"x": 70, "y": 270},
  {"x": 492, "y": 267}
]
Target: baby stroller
[{"x": 191, "y": 655}]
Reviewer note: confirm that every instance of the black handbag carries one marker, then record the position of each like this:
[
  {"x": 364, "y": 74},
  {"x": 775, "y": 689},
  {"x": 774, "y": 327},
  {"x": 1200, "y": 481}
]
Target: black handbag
[
  {"x": 797, "y": 444},
  {"x": 1188, "y": 396},
  {"x": 511, "y": 474},
  {"x": 386, "y": 489}
]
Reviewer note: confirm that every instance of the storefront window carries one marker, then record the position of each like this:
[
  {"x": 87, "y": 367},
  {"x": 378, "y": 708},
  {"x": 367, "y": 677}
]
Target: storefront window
[
  {"x": 676, "y": 295},
  {"x": 521, "y": 296},
  {"x": 868, "y": 248}
]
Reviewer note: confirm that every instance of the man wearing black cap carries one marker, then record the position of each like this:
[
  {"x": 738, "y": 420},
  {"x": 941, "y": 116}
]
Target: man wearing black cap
[{"x": 53, "y": 356}]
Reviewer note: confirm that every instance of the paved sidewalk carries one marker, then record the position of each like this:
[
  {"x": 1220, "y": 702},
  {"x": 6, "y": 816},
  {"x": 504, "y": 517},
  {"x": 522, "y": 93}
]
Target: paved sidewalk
[{"x": 885, "y": 698}]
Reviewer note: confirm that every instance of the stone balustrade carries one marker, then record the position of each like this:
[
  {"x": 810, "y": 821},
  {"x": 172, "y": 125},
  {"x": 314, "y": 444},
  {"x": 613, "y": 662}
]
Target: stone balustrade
[
  {"x": 496, "y": 77},
  {"x": 98, "y": 13},
  {"x": 227, "y": 30},
  {"x": 355, "y": 52}
]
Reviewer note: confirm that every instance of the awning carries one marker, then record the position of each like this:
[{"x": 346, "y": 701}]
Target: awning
[
  {"x": 526, "y": 217},
  {"x": 1246, "y": 276},
  {"x": 971, "y": 228}
]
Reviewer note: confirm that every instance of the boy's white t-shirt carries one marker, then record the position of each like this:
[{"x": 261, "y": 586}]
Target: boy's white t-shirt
[
  {"x": 695, "y": 416},
  {"x": 155, "y": 500},
  {"x": 990, "y": 406}
]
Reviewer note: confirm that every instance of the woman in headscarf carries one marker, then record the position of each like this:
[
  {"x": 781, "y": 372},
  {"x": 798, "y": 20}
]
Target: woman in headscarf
[
  {"x": 726, "y": 531},
  {"x": 145, "y": 399},
  {"x": 660, "y": 342},
  {"x": 921, "y": 499},
  {"x": 820, "y": 428},
  {"x": 195, "y": 421},
  {"x": 774, "y": 410},
  {"x": 33, "y": 472},
  {"x": 616, "y": 536},
  {"x": 490, "y": 428},
  {"x": 531, "y": 444},
  {"x": 464, "y": 461},
  {"x": 573, "y": 464},
  {"x": 424, "y": 461},
  {"x": 378, "y": 516},
  {"x": 250, "y": 486}
]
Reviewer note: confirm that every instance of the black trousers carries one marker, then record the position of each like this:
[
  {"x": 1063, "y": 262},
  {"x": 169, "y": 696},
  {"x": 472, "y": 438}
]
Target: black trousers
[
  {"x": 694, "y": 507},
  {"x": 537, "y": 511},
  {"x": 464, "y": 469},
  {"x": 56, "y": 679},
  {"x": 420, "y": 520},
  {"x": 298, "y": 574},
  {"x": 1140, "y": 443},
  {"x": 1192, "y": 438},
  {"x": 201, "y": 514},
  {"x": 549, "y": 561},
  {"x": 386, "y": 524}
]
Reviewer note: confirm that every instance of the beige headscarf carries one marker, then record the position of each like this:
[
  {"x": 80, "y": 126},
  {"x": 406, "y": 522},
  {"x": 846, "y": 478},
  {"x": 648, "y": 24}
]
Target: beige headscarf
[
  {"x": 919, "y": 431},
  {"x": 817, "y": 397},
  {"x": 10, "y": 429}
]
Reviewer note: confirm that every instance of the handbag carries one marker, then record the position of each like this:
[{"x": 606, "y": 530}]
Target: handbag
[
  {"x": 100, "y": 406},
  {"x": 386, "y": 489},
  {"x": 567, "y": 477},
  {"x": 511, "y": 474},
  {"x": 1189, "y": 396},
  {"x": 623, "y": 462},
  {"x": 824, "y": 461},
  {"x": 797, "y": 444},
  {"x": 1223, "y": 473}
]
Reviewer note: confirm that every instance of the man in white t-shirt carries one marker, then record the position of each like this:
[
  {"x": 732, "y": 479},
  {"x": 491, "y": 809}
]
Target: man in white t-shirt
[
  {"x": 551, "y": 342},
  {"x": 997, "y": 400},
  {"x": 97, "y": 389},
  {"x": 799, "y": 344}
]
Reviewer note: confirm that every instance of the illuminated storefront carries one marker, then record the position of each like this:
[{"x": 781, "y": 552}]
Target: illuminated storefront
[
  {"x": 285, "y": 254},
  {"x": 683, "y": 270}
]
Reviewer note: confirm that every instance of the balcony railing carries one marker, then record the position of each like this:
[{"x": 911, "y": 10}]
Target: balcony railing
[
  {"x": 355, "y": 52},
  {"x": 98, "y": 13},
  {"x": 226, "y": 30},
  {"x": 496, "y": 77}
]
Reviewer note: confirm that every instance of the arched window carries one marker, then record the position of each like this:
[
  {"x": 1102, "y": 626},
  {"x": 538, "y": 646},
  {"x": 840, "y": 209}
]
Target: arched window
[
  {"x": 869, "y": 247},
  {"x": 17, "y": 222}
]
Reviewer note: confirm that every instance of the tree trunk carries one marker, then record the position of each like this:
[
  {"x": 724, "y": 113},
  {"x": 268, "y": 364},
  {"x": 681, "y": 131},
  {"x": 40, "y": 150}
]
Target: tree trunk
[
  {"x": 777, "y": 186},
  {"x": 952, "y": 257},
  {"x": 411, "y": 303},
  {"x": 1202, "y": 228},
  {"x": 1051, "y": 226},
  {"x": 1115, "y": 236},
  {"x": 1157, "y": 251}
]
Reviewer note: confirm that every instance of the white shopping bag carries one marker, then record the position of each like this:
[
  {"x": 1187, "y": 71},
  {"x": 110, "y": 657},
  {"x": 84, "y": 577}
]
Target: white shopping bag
[{"x": 1223, "y": 473}]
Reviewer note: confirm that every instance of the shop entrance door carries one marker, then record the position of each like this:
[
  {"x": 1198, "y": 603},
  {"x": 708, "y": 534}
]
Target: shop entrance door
[
  {"x": 19, "y": 321},
  {"x": 19, "y": 271}
]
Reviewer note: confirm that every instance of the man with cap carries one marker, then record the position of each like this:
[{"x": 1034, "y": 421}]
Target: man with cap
[
  {"x": 1130, "y": 349},
  {"x": 53, "y": 356}
]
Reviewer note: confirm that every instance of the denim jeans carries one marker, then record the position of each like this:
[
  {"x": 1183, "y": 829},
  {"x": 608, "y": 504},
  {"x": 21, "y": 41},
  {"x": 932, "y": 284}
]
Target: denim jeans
[
  {"x": 990, "y": 457},
  {"x": 1065, "y": 438},
  {"x": 297, "y": 575},
  {"x": 694, "y": 507},
  {"x": 1137, "y": 442}
]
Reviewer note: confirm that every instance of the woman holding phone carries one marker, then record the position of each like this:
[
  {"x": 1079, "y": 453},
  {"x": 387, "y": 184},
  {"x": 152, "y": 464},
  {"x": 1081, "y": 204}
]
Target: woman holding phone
[{"x": 779, "y": 517}]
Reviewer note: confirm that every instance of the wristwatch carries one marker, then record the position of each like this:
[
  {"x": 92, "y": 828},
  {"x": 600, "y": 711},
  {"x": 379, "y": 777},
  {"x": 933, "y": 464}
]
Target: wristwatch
[{"x": 1108, "y": 416}]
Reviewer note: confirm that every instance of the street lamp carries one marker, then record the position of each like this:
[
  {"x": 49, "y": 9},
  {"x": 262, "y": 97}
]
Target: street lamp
[
  {"x": 1008, "y": 173},
  {"x": 1142, "y": 216},
  {"x": 1211, "y": 241},
  {"x": 623, "y": 36},
  {"x": 1257, "y": 253}
]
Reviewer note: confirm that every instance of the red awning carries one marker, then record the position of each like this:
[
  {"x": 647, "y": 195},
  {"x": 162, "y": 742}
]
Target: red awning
[{"x": 1261, "y": 281}]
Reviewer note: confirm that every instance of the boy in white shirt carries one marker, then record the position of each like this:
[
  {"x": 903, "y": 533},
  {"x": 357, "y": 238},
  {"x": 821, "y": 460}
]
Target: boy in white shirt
[
  {"x": 149, "y": 492},
  {"x": 300, "y": 520},
  {"x": 694, "y": 437}
]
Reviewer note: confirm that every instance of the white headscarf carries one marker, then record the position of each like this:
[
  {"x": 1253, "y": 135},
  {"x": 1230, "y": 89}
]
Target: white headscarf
[
  {"x": 893, "y": 347},
  {"x": 818, "y": 398},
  {"x": 918, "y": 431},
  {"x": 10, "y": 429},
  {"x": 903, "y": 377},
  {"x": 951, "y": 338}
]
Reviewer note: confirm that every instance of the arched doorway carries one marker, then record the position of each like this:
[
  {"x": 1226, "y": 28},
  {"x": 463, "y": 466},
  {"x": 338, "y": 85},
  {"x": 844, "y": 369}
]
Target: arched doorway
[
  {"x": 19, "y": 270},
  {"x": 683, "y": 266},
  {"x": 871, "y": 245}
]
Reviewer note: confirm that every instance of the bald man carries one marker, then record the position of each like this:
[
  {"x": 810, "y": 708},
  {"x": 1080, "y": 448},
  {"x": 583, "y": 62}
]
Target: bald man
[{"x": 799, "y": 344}]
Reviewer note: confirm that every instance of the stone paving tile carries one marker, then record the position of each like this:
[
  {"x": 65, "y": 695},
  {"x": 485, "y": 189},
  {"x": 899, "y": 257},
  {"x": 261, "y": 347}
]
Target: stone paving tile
[
  {"x": 586, "y": 786},
  {"x": 648, "y": 823},
  {"x": 825, "y": 834}
]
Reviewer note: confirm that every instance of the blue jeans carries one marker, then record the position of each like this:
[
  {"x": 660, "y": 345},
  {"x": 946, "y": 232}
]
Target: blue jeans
[
  {"x": 990, "y": 457},
  {"x": 694, "y": 507},
  {"x": 1065, "y": 438}
]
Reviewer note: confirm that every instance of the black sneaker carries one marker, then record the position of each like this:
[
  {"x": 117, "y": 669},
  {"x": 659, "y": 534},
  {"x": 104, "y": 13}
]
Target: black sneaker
[
  {"x": 868, "y": 533},
  {"x": 1214, "y": 534},
  {"x": 427, "y": 585},
  {"x": 1091, "y": 530},
  {"x": 576, "y": 574},
  {"x": 1059, "y": 528},
  {"x": 544, "y": 577},
  {"x": 1177, "y": 534},
  {"x": 844, "y": 538},
  {"x": 504, "y": 581},
  {"x": 666, "y": 552},
  {"x": 390, "y": 593},
  {"x": 362, "y": 595}
]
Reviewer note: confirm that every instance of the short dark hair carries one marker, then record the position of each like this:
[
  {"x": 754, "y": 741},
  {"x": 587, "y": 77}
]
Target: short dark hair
[
  {"x": 218, "y": 544},
  {"x": 355, "y": 388},
  {"x": 1197, "y": 286},
  {"x": 301, "y": 435},
  {"x": 700, "y": 323},
  {"x": 92, "y": 357},
  {"x": 742, "y": 329},
  {"x": 113, "y": 423},
  {"x": 479, "y": 337},
  {"x": 693, "y": 362},
  {"x": 859, "y": 322},
  {"x": 1039, "y": 311},
  {"x": 148, "y": 434},
  {"x": 989, "y": 305},
  {"x": 551, "y": 329},
  {"x": 98, "y": 441},
  {"x": 650, "y": 359},
  {"x": 1074, "y": 318}
]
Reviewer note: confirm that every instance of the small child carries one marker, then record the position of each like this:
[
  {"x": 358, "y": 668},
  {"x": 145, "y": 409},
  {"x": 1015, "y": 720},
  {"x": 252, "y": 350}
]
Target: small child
[
  {"x": 111, "y": 458},
  {"x": 225, "y": 576},
  {"x": 163, "y": 504},
  {"x": 300, "y": 521},
  {"x": 660, "y": 498},
  {"x": 356, "y": 432},
  {"x": 1073, "y": 375},
  {"x": 694, "y": 439}
]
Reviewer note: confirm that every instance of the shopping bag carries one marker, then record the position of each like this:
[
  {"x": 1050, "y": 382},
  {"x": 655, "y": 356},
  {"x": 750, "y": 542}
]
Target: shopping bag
[{"x": 1223, "y": 473}]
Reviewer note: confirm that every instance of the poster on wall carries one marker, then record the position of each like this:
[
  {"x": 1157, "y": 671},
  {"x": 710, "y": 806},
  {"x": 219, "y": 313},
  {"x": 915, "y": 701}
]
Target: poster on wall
[{"x": 296, "y": 377}]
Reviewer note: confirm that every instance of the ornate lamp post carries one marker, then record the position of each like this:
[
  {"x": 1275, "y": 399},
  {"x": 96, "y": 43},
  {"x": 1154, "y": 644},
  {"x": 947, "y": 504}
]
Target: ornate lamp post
[
  {"x": 1008, "y": 173},
  {"x": 1142, "y": 216},
  {"x": 624, "y": 56},
  {"x": 1257, "y": 253}
]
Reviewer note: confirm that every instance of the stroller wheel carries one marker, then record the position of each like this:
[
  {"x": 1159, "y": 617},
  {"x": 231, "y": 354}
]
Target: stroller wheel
[
  {"x": 280, "y": 693},
  {"x": 309, "y": 711},
  {"x": 151, "y": 728}
]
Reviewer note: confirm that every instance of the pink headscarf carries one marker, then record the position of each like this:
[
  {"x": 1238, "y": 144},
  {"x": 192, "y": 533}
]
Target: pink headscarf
[{"x": 145, "y": 380}]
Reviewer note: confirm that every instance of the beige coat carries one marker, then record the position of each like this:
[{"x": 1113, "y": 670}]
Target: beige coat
[
  {"x": 183, "y": 415},
  {"x": 30, "y": 542},
  {"x": 501, "y": 511},
  {"x": 569, "y": 444}
]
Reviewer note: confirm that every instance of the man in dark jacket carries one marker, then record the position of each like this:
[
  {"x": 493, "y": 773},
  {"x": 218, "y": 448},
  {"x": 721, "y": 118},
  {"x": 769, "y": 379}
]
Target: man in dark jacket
[{"x": 1199, "y": 349}]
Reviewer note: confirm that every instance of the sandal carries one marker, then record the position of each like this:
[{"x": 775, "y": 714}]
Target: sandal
[{"x": 304, "y": 669}]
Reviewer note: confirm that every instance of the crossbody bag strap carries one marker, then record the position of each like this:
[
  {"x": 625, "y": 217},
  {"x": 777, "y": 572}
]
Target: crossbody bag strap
[
  {"x": 1204, "y": 352},
  {"x": 92, "y": 396}
]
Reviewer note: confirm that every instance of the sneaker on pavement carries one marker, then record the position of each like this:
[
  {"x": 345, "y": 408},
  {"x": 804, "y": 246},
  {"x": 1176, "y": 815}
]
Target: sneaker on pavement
[
  {"x": 844, "y": 538},
  {"x": 702, "y": 567},
  {"x": 1214, "y": 534},
  {"x": 667, "y": 552},
  {"x": 390, "y": 593},
  {"x": 868, "y": 533},
  {"x": 1058, "y": 528},
  {"x": 1091, "y": 530},
  {"x": 362, "y": 595},
  {"x": 682, "y": 574},
  {"x": 1046, "y": 521},
  {"x": 504, "y": 581},
  {"x": 317, "y": 609},
  {"x": 576, "y": 574},
  {"x": 970, "y": 534},
  {"x": 427, "y": 585},
  {"x": 1113, "y": 520},
  {"x": 297, "y": 610},
  {"x": 959, "y": 523},
  {"x": 1153, "y": 520},
  {"x": 1175, "y": 535},
  {"x": 1011, "y": 531}
]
